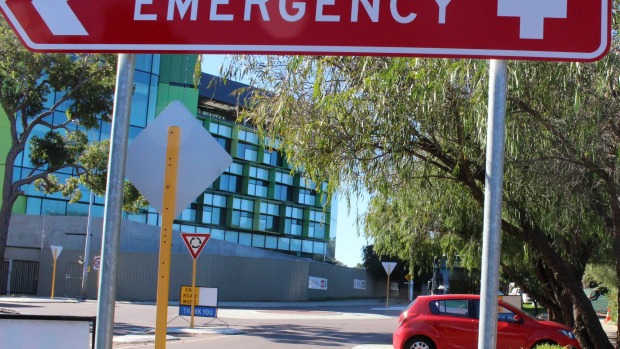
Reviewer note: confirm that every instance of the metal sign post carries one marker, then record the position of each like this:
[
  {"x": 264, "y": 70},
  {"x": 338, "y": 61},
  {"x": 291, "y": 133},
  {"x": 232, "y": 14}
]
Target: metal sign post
[
  {"x": 55, "y": 253},
  {"x": 491, "y": 238},
  {"x": 114, "y": 202},
  {"x": 389, "y": 268},
  {"x": 86, "y": 267}
]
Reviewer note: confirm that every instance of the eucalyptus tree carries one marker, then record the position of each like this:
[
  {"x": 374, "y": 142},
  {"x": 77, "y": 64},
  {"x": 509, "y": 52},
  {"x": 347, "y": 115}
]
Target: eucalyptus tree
[
  {"x": 49, "y": 130},
  {"x": 392, "y": 125}
]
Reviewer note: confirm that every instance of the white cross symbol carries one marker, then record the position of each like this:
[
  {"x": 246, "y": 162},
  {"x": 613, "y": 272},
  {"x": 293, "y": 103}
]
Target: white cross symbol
[{"x": 532, "y": 14}]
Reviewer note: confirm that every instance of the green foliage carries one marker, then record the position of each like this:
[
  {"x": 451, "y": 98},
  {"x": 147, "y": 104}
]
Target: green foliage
[
  {"x": 412, "y": 132},
  {"x": 51, "y": 101},
  {"x": 57, "y": 151},
  {"x": 549, "y": 346}
]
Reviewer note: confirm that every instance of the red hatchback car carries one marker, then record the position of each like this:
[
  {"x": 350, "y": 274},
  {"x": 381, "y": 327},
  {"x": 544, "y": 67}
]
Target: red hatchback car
[{"x": 450, "y": 321}]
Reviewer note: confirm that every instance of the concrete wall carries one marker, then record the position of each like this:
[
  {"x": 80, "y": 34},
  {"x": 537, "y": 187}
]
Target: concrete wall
[{"x": 241, "y": 273}]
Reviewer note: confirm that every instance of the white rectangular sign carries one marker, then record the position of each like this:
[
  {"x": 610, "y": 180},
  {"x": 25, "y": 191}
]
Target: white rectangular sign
[
  {"x": 359, "y": 284},
  {"x": 317, "y": 283}
]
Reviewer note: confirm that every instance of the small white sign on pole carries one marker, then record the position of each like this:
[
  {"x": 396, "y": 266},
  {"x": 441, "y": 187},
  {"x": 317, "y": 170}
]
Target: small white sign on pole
[
  {"x": 56, "y": 251},
  {"x": 389, "y": 267},
  {"x": 97, "y": 262}
]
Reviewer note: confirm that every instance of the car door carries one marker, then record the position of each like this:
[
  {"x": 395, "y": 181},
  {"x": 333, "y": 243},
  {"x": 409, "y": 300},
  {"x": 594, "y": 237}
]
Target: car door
[
  {"x": 510, "y": 333},
  {"x": 454, "y": 326}
]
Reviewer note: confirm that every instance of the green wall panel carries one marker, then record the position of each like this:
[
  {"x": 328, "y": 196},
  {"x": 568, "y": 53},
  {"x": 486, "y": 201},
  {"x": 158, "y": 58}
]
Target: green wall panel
[
  {"x": 167, "y": 93},
  {"x": 5, "y": 144},
  {"x": 19, "y": 207},
  {"x": 177, "y": 69}
]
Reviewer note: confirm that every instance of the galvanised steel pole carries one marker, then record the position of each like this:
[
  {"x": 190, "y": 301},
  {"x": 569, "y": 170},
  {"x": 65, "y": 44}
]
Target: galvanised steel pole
[
  {"x": 86, "y": 266},
  {"x": 114, "y": 201},
  {"x": 491, "y": 237}
]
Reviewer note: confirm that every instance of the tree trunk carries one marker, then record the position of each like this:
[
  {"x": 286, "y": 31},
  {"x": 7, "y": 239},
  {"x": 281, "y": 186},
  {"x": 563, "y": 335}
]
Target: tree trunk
[
  {"x": 590, "y": 332},
  {"x": 616, "y": 249},
  {"x": 5, "y": 220}
]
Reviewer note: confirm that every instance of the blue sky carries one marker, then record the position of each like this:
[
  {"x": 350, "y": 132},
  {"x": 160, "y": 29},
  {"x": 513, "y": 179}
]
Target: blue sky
[{"x": 348, "y": 242}]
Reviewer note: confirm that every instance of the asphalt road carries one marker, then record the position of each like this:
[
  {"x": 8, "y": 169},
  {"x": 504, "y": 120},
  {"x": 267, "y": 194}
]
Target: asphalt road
[
  {"x": 348, "y": 324},
  {"x": 310, "y": 325}
]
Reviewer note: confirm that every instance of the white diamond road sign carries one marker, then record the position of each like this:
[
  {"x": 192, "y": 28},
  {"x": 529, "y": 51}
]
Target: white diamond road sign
[{"x": 201, "y": 158}]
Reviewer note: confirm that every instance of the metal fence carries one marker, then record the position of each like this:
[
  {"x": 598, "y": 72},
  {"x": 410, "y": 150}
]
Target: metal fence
[{"x": 19, "y": 277}]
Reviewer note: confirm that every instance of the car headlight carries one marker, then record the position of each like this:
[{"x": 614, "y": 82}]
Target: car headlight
[{"x": 568, "y": 334}]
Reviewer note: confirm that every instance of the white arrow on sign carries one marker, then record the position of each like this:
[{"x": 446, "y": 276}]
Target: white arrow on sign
[{"x": 59, "y": 17}]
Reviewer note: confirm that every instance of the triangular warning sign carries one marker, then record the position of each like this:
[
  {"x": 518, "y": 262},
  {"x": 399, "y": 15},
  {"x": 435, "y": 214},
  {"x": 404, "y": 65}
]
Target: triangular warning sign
[{"x": 195, "y": 243}]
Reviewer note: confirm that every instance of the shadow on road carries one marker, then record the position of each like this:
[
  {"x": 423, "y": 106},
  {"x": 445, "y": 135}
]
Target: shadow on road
[{"x": 316, "y": 335}]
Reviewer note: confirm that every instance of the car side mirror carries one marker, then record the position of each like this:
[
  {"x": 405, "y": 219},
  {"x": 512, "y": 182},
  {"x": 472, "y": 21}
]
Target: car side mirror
[{"x": 517, "y": 319}]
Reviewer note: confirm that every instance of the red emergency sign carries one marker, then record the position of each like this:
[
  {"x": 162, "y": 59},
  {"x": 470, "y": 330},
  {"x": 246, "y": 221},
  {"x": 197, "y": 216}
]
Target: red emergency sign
[{"x": 519, "y": 29}]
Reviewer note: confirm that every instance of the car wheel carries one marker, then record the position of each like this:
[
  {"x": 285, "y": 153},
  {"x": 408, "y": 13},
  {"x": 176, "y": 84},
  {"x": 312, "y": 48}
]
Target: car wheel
[{"x": 419, "y": 343}]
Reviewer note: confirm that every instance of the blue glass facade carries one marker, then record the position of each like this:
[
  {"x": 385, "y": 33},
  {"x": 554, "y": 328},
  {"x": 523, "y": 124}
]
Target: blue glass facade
[{"x": 257, "y": 202}]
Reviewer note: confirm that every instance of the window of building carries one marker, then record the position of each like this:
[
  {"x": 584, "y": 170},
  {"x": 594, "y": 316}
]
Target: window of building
[
  {"x": 247, "y": 151},
  {"x": 316, "y": 227},
  {"x": 188, "y": 214},
  {"x": 53, "y": 207},
  {"x": 296, "y": 245},
  {"x": 258, "y": 184},
  {"x": 258, "y": 240},
  {"x": 274, "y": 144},
  {"x": 214, "y": 209},
  {"x": 283, "y": 187},
  {"x": 248, "y": 136},
  {"x": 293, "y": 223},
  {"x": 140, "y": 99},
  {"x": 231, "y": 180},
  {"x": 284, "y": 244},
  {"x": 307, "y": 197},
  {"x": 269, "y": 217},
  {"x": 232, "y": 236},
  {"x": 257, "y": 187},
  {"x": 243, "y": 213},
  {"x": 220, "y": 129},
  {"x": 245, "y": 239},
  {"x": 271, "y": 242},
  {"x": 307, "y": 246},
  {"x": 203, "y": 230},
  {"x": 283, "y": 192},
  {"x": 272, "y": 157},
  {"x": 224, "y": 142},
  {"x": 187, "y": 228},
  {"x": 319, "y": 247},
  {"x": 217, "y": 234}
]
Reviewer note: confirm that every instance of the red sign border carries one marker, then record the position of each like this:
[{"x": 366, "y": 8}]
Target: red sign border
[{"x": 185, "y": 237}]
